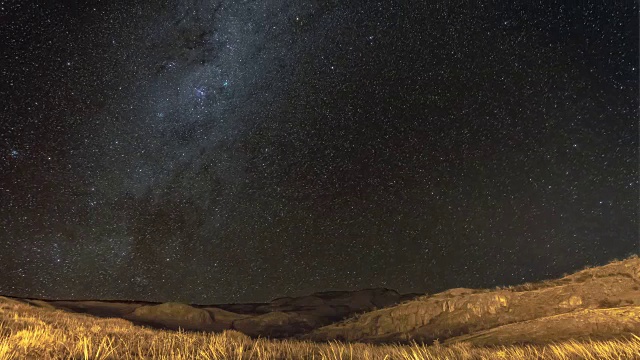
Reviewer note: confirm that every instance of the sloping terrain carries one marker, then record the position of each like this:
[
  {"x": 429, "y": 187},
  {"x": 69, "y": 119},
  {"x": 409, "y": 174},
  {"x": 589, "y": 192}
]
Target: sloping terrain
[
  {"x": 601, "y": 302},
  {"x": 458, "y": 312},
  {"x": 600, "y": 324},
  {"x": 44, "y": 333},
  {"x": 282, "y": 317}
]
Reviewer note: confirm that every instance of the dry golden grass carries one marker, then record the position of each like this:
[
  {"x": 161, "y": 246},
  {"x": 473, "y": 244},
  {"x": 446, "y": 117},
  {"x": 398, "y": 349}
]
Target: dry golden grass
[{"x": 27, "y": 332}]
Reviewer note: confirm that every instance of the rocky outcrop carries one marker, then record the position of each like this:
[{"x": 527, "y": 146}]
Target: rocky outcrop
[
  {"x": 462, "y": 311},
  {"x": 594, "y": 324}
]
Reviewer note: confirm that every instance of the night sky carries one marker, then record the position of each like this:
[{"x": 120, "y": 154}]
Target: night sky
[{"x": 236, "y": 151}]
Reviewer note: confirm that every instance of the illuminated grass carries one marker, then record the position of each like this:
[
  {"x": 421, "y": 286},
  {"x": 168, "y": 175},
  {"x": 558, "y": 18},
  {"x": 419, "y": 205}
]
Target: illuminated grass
[{"x": 33, "y": 333}]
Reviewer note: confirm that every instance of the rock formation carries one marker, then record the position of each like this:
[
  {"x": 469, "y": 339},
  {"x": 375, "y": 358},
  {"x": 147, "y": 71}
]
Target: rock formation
[
  {"x": 594, "y": 324},
  {"x": 462, "y": 311}
]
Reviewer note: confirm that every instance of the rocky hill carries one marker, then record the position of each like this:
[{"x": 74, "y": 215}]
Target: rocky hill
[
  {"x": 459, "y": 312},
  {"x": 599, "y": 302}
]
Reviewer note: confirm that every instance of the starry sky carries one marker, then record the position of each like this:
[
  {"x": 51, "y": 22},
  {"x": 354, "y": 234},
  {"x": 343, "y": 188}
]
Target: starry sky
[{"x": 237, "y": 150}]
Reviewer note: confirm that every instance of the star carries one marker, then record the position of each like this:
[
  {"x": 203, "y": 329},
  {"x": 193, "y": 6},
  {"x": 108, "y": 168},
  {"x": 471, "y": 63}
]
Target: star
[
  {"x": 242, "y": 139},
  {"x": 201, "y": 92}
]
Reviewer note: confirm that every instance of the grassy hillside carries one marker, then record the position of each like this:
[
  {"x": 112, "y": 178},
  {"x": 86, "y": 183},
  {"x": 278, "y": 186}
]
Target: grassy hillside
[
  {"x": 28, "y": 332},
  {"x": 575, "y": 306}
]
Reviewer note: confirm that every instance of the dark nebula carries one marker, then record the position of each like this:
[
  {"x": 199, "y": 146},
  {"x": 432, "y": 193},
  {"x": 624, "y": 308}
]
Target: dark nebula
[{"x": 235, "y": 151}]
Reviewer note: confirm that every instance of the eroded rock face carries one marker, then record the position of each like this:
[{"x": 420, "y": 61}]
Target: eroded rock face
[
  {"x": 174, "y": 316},
  {"x": 588, "y": 323},
  {"x": 462, "y": 311}
]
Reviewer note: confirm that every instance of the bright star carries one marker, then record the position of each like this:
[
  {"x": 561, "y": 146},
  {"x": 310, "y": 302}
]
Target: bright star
[{"x": 201, "y": 92}]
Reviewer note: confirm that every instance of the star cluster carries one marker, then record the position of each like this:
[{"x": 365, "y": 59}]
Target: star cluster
[{"x": 236, "y": 151}]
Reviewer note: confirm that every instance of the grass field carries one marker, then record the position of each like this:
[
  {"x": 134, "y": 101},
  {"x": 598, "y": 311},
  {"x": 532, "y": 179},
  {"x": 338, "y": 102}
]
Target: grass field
[{"x": 27, "y": 332}]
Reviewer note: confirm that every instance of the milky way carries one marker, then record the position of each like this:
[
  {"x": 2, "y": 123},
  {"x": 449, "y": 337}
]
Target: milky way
[{"x": 226, "y": 151}]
